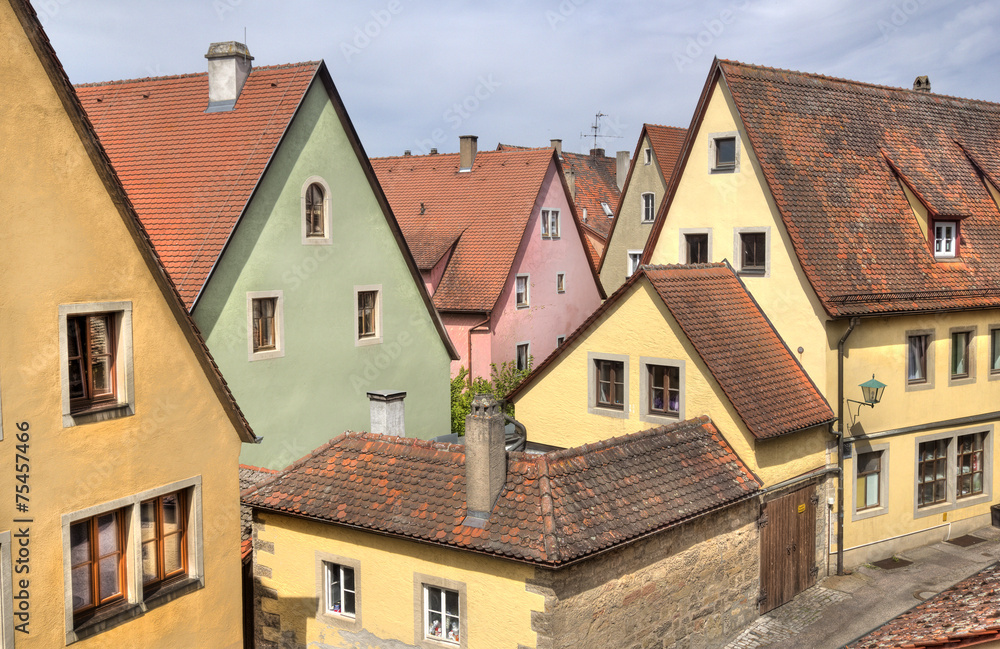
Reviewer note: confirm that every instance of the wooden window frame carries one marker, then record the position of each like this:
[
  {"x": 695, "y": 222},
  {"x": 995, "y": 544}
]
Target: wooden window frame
[
  {"x": 82, "y": 614},
  {"x": 259, "y": 319},
  {"x": 994, "y": 351},
  {"x": 921, "y": 360},
  {"x": 670, "y": 385},
  {"x": 965, "y": 345},
  {"x": 616, "y": 378},
  {"x": 936, "y": 460},
  {"x": 526, "y": 347},
  {"x": 719, "y": 162},
  {"x": 365, "y": 337},
  {"x": 550, "y": 223},
  {"x": 254, "y": 351},
  {"x": 518, "y": 302},
  {"x": 367, "y": 314},
  {"x": 758, "y": 265},
  {"x": 976, "y": 458},
  {"x": 315, "y": 212},
  {"x": 863, "y": 475},
  {"x": 165, "y": 578},
  {"x": 560, "y": 282},
  {"x": 81, "y": 323},
  {"x": 648, "y": 207},
  {"x": 702, "y": 242}
]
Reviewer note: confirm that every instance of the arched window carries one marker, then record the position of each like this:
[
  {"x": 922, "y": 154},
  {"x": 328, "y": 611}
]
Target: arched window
[{"x": 315, "y": 217}]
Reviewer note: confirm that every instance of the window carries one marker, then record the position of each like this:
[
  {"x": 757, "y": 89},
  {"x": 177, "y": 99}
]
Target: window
[
  {"x": 95, "y": 350},
  {"x": 932, "y": 472},
  {"x": 647, "y": 208},
  {"x": 522, "y": 359},
  {"x": 368, "y": 314},
  {"x": 550, "y": 224},
  {"x": 442, "y": 619},
  {"x": 97, "y": 563},
  {"x": 960, "y": 354},
  {"x": 647, "y": 156},
  {"x": 664, "y": 390},
  {"x": 953, "y": 470},
  {"x": 560, "y": 282},
  {"x": 724, "y": 152},
  {"x": 869, "y": 471},
  {"x": 610, "y": 384},
  {"x": 970, "y": 465},
  {"x": 608, "y": 212},
  {"x": 634, "y": 259},
  {"x": 164, "y": 539},
  {"x": 945, "y": 239},
  {"x": 916, "y": 358},
  {"x": 316, "y": 220},
  {"x": 696, "y": 246},
  {"x": 995, "y": 351},
  {"x": 560, "y": 340},
  {"x": 753, "y": 253},
  {"x": 521, "y": 297},
  {"x": 264, "y": 325},
  {"x": 340, "y": 590}
]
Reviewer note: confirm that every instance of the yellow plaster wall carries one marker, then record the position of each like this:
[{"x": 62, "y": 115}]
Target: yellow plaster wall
[
  {"x": 918, "y": 208},
  {"x": 64, "y": 242},
  {"x": 554, "y": 407},
  {"x": 735, "y": 200},
  {"x": 498, "y": 606}
]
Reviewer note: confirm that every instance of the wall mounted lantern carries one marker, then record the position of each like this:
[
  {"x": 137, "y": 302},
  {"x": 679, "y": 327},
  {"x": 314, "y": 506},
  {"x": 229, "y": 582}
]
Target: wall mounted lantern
[{"x": 872, "y": 392}]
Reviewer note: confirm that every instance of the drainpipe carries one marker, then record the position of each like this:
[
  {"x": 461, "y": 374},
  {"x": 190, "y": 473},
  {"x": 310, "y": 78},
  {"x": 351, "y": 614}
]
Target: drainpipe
[
  {"x": 472, "y": 329},
  {"x": 840, "y": 445}
]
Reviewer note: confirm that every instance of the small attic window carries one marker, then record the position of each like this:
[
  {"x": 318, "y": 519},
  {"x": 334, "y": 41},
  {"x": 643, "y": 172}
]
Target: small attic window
[
  {"x": 607, "y": 209},
  {"x": 945, "y": 239}
]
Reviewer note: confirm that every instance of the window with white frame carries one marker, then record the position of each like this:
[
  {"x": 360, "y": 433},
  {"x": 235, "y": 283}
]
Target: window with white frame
[
  {"x": 339, "y": 593},
  {"x": 945, "y": 239},
  {"x": 368, "y": 314},
  {"x": 523, "y": 356},
  {"x": 953, "y": 470},
  {"x": 316, "y": 218},
  {"x": 724, "y": 152},
  {"x": 265, "y": 326},
  {"x": 648, "y": 207},
  {"x": 560, "y": 282},
  {"x": 560, "y": 340},
  {"x": 95, "y": 349},
  {"x": 550, "y": 224},
  {"x": 634, "y": 260},
  {"x": 521, "y": 297},
  {"x": 442, "y": 615},
  {"x": 647, "y": 156}
]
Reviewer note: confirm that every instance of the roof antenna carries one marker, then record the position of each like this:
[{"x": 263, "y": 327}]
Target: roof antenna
[
  {"x": 596, "y": 128},
  {"x": 245, "y": 41}
]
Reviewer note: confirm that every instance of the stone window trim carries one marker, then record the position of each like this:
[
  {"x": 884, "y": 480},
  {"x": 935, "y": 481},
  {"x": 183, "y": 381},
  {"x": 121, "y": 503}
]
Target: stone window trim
[
  {"x": 993, "y": 346},
  {"x": 952, "y": 501},
  {"x": 420, "y": 638},
  {"x": 738, "y": 250},
  {"x": 136, "y": 603},
  {"x": 124, "y": 406},
  {"x": 927, "y": 384},
  {"x": 6, "y": 593},
  {"x": 332, "y": 619},
  {"x": 970, "y": 376},
  {"x": 883, "y": 481},
  {"x": 360, "y": 341},
  {"x": 279, "y": 326},
  {"x": 644, "y": 414},
  {"x": 713, "y": 138},
  {"x": 327, "y": 239},
  {"x": 683, "y": 243},
  {"x": 592, "y": 407},
  {"x": 560, "y": 282},
  {"x": 648, "y": 207}
]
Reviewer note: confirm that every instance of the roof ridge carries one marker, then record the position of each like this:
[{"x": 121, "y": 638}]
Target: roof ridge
[
  {"x": 519, "y": 151},
  {"x": 627, "y": 438},
  {"x": 665, "y": 126},
  {"x": 709, "y": 264},
  {"x": 189, "y": 75}
]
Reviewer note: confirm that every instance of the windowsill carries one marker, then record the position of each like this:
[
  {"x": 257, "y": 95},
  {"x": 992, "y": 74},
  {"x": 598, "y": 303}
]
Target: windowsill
[
  {"x": 994, "y": 376},
  {"x": 647, "y": 221},
  {"x": 107, "y": 619},
  {"x": 961, "y": 380},
  {"x": 918, "y": 385},
  {"x": 317, "y": 241},
  {"x": 522, "y": 306},
  {"x": 961, "y": 503},
  {"x": 95, "y": 414},
  {"x": 660, "y": 418},
  {"x": 870, "y": 512},
  {"x": 617, "y": 413},
  {"x": 752, "y": 273},
  {"x": 724, "y": 170},
  {"x": 95, "y": 407},
  {"x": 368, "y": 340},
  {"x": 266, "y": 354}
]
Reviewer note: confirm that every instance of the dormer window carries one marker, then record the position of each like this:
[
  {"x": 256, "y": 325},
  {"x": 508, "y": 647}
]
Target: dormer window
[{"x": 945, "y": 239}]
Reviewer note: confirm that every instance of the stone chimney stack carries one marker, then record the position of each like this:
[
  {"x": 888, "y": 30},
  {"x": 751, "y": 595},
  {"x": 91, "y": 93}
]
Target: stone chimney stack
[
  {"x": 571, "y": 182},
  {"x": 467, "y": 152},
  {"x": 621, "y": 167},
  {"x": 557, "y": 145},
  {"x": 387, "y": 412},
  {"x": 922, "y": 84},
  {"x": 228, "y": 68},
  {"x": 485, "y": 458},
  {"x": 597, "y": 153}
]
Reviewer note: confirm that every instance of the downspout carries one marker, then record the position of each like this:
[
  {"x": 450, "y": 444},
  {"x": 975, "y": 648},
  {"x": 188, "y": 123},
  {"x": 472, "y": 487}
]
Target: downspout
[
  {"x": 471, "y": 330},
  {"x": 840, "y": 445}
]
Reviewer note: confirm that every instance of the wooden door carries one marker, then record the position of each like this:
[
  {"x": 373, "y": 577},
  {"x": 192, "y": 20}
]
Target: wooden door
[{"x": 787, "y": 547}]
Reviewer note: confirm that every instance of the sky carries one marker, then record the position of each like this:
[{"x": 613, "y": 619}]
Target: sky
[{"x": 416, "y": 74}]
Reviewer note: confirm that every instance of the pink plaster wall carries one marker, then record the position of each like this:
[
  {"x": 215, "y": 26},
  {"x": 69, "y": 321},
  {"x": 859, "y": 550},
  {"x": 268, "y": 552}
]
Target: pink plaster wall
[
  {"x": 458, "y": 325},
  {"x": 433, "y": 276},
  {"x": 550, "y": 314}
]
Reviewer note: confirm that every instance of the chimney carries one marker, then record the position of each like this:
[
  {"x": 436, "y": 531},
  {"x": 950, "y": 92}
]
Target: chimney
[
  {"x": 228, "y": 69},
  {"x": 597, "y": 153},
  {"x": 387, "y": 412},
  {"x": 922, "y": 84},
  {"x": 571, "y": 182},
  {"x": 621, "y": 167},
  {"x": 434, "y": 151},
  {"x": 557, "y": 145},
  {"x": 466, "y": 152},
  {"x": 407, "y": 152},
  {"x": 485, "y": 459}
]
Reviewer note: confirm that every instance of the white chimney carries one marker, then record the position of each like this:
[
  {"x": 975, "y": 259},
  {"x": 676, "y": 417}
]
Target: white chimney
[
  {"x": 485, "y": 459},
  {"x": 621, "y": 167},
  {"x": 228, "y": 68},
  {"x": 387, "y": 412}
]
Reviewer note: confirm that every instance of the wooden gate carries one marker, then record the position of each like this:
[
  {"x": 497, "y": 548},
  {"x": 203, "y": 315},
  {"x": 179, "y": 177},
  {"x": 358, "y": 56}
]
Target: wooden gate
[{"x": 787, "y": 547}]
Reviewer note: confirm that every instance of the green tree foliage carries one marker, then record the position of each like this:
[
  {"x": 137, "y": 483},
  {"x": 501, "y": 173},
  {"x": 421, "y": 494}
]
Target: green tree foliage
[{"x": 502, "y": 381}]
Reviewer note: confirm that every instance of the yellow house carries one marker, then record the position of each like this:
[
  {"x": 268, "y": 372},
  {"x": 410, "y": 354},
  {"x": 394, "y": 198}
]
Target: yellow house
[
  {"x": 120, "y": 522},
  {"x": 864, "y": 221},
  {"x": 386, "y": 541}
]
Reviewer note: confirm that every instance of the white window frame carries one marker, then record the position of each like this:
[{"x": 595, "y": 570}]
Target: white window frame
[
  {"x": 648, "y": 207},
  {"x": 883, "y": 481},
  {"x": 713, "y": 139},
  {"x": 420, "y": 616},
  {"x": 647, "y": 156},
  {"x": 135, "y": 604},
  {"x": 379, "y": 306},
  {"x": 560, "y": 282},
  {"x": 124, "y": 370},
  {"x": 527, "y": 290},
  {"x": 608, "y": 212},
  {"x": 550, "y": 223},
  {"x": 559, "y": 341},
  {"x": 6, "y": 593},
  {"x": 526, "y": 346},
  {"x": 953, "y": 240},
  {"x": 683, "y": 246},
  {"x": 323, "y": 614},
  {"x": 327, "y": 239},
  {"x": 592, "y": 407},
  {"x": 738, "y": 250},
  {"x": 644, "y": 413},
  {"x": 279, "y": 325},
  {"x": 952, "y": 501},
  {"x": 628, "y": 262}
]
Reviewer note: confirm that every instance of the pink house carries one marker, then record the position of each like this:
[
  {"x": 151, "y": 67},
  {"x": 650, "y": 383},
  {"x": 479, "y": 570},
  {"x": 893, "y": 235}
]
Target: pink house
[{"x": 500, "y": 248}]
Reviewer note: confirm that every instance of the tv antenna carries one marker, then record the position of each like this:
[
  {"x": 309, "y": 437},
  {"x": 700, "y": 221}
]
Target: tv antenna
[{"x": 596, "y": 128}]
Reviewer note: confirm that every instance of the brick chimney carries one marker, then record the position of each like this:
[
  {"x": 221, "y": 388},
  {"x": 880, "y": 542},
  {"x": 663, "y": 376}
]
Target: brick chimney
[
  {"x": 922, "y": 84},
  {"x": 621, "y": 167},
  {"x": 571, "y": 182},
  {"x": 557, "y": 145},
  {"x": 466, "y": 152},
  {"x": 228, "y": 68},
  {"x": 387, "y": 412},
  {"x": 485, "y": 459}
]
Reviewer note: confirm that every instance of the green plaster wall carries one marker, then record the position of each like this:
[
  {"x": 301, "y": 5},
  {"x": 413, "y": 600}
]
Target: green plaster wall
[{"x": 317, "y": 390}]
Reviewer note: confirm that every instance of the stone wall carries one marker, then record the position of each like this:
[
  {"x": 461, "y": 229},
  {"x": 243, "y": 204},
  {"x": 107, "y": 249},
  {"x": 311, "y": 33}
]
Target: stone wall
[{"x": 691, "y": 587}]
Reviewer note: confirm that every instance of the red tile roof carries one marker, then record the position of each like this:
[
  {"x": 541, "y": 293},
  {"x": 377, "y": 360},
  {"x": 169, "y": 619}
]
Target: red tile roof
[
  {"x": 190, "y": 173},
  {"x": 964, "y": 615},
  {"x": 758, "y": 373},
  {"x": 249, "y": 476},
  {"x": 667, "y": 143},
  {"x": 834, "y": 152},
  {"x": 483, "y": 213},
  {"x": 554, "y": 508}
]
